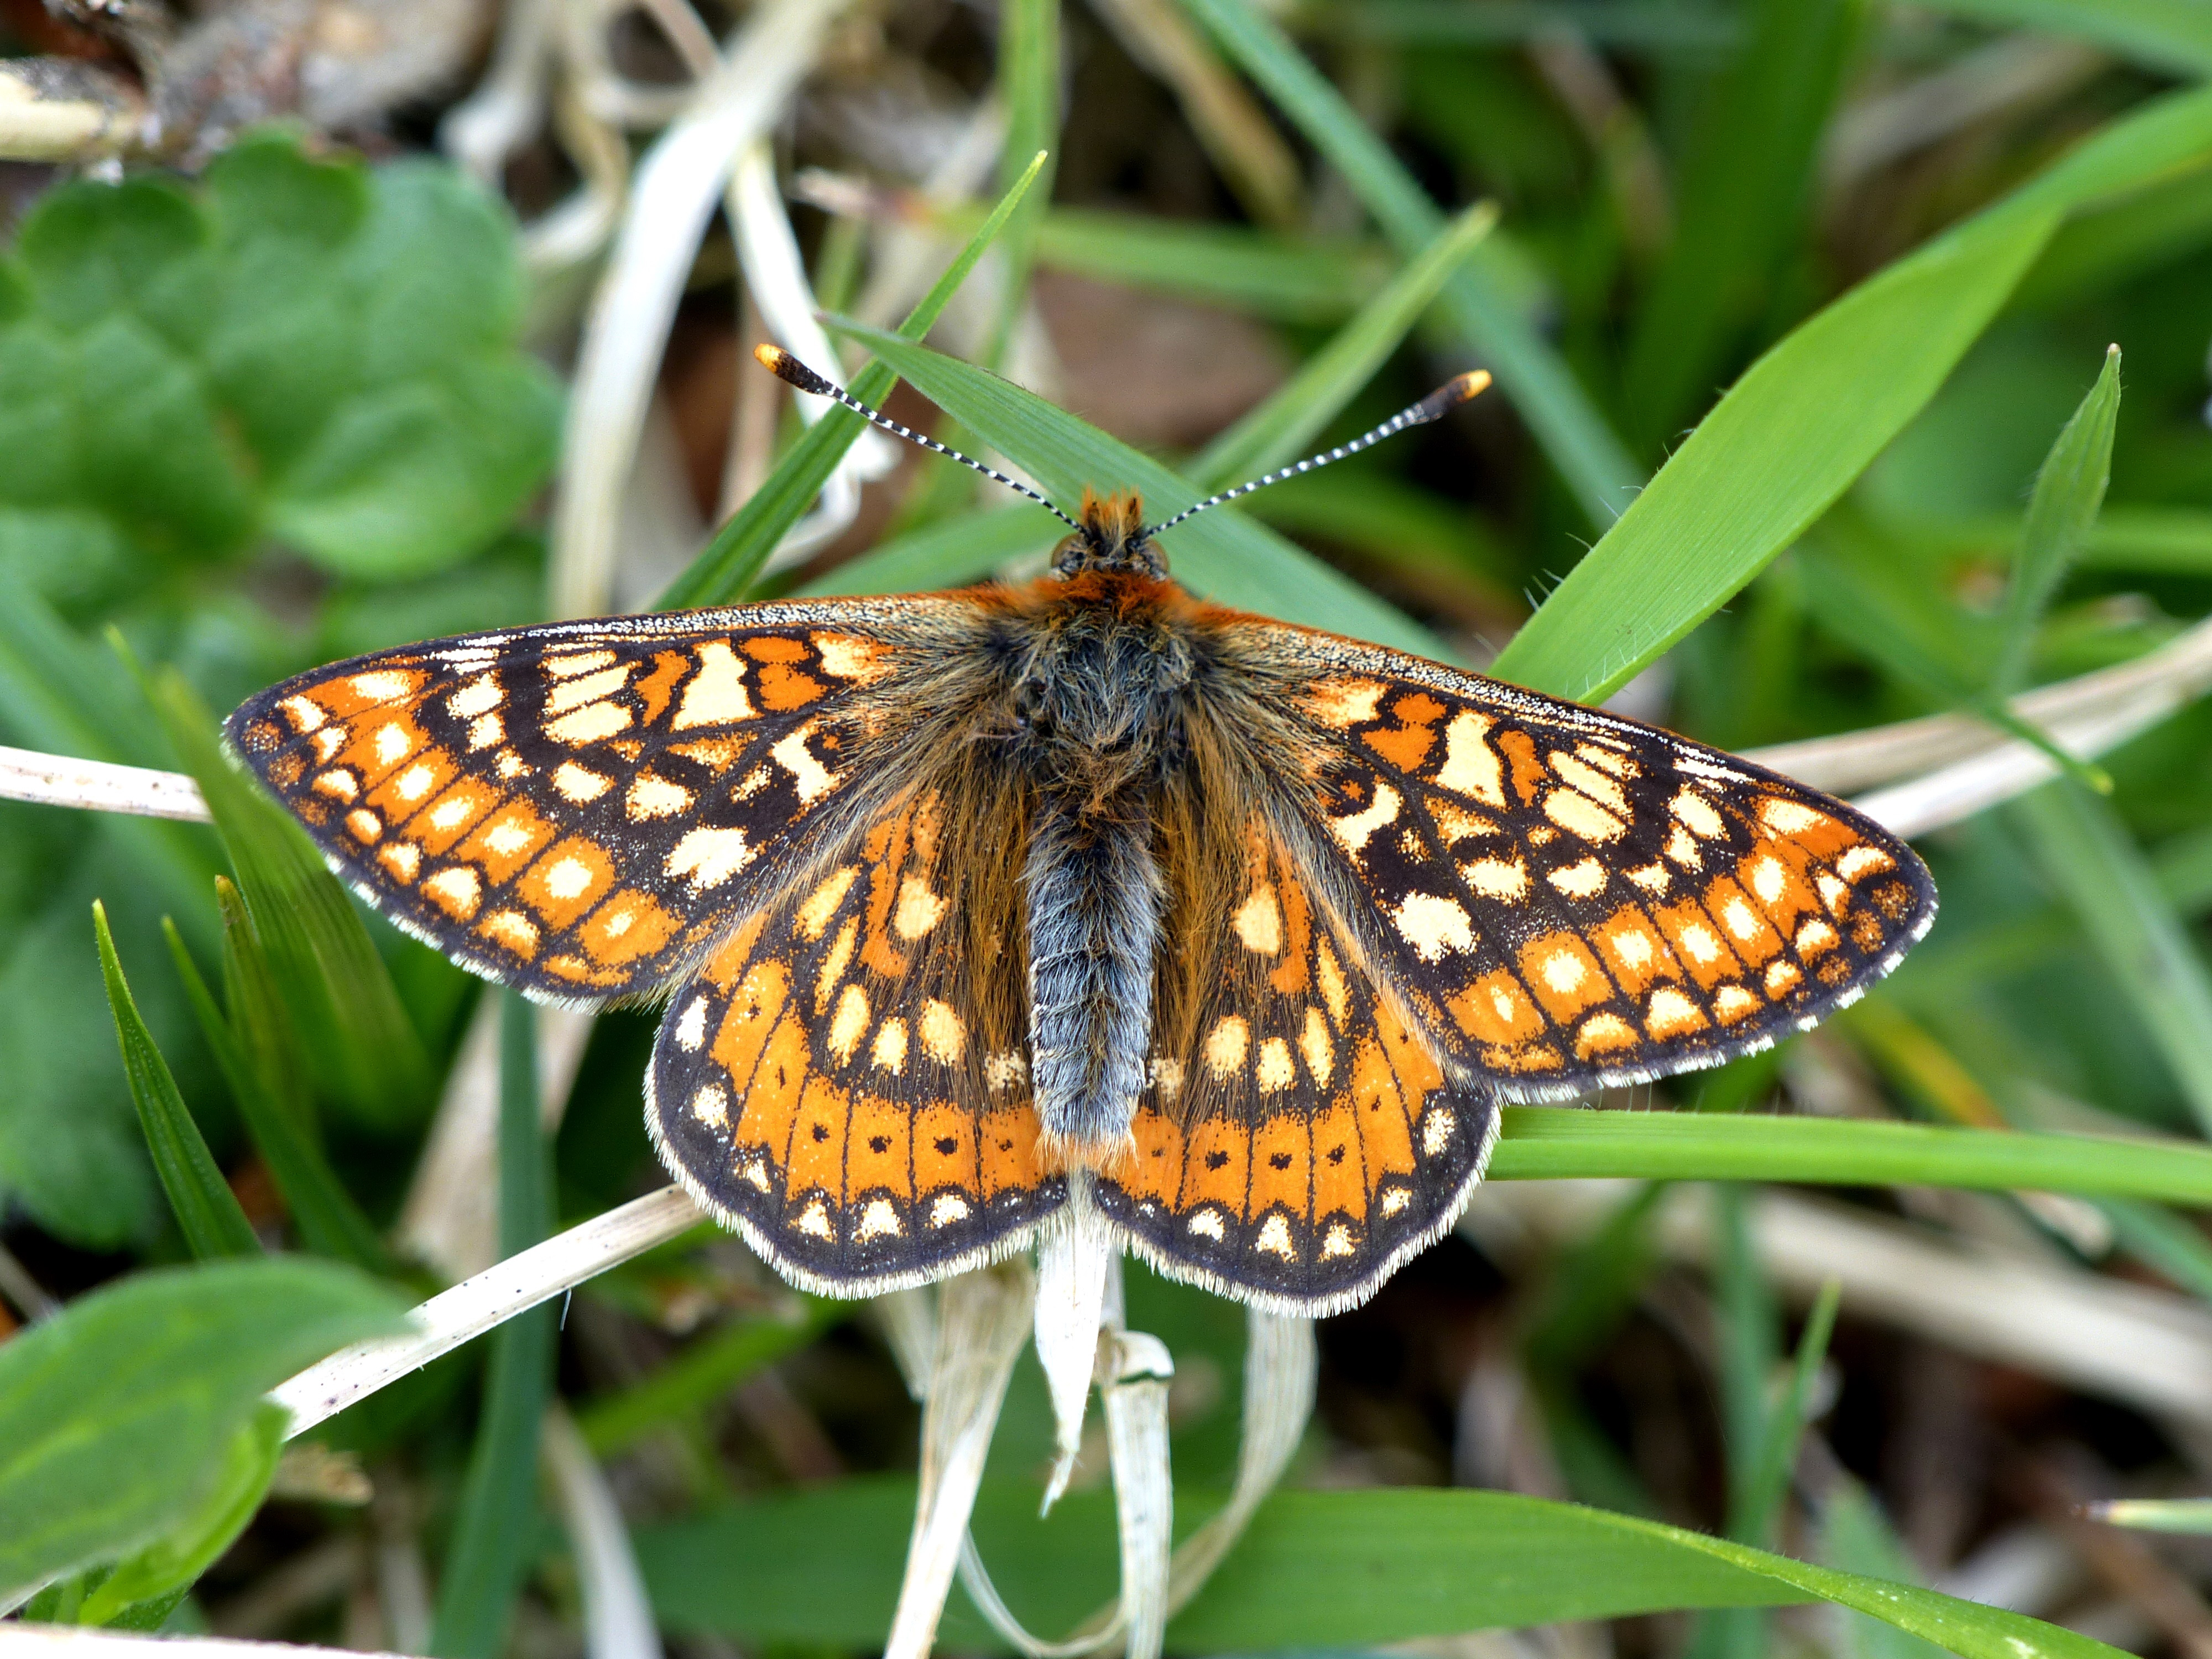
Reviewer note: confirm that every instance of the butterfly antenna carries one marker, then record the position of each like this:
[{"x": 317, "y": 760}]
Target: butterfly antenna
[
  {"x": 788, "y": 369},
  {"x": 1448, "y": 396}
]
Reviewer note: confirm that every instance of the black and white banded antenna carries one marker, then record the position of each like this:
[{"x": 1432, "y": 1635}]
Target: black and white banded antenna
[
  {"x": 1447, "y": 397},
  {"x": 788, "y": 369}
]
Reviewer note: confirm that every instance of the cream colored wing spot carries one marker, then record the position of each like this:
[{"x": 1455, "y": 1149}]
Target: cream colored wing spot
[
  {"x": 711, "y": 1106},
  {"x": 1274, "y": 1239},
  {"x": 1315, "y": 1046},
  {"x": 1670, "y": 1014},
  {"x": 486, "y": 731},
  {"x": 1355, "y": 830},
  {"x": 919, "y": 909},
  {"x": 947, "y": 1208},
  {"x": 849, "y": 1023},
  {"x": 1435, "y": 927},
  {"x": 1207, "y": 1224},
  {"x": 1581, "y": 881},
  {"x": 578, "y": 785},
  {"x": 1695, "y": 810},
  {"x": 1860, "y": 861},
  {"x": 1787, "y": 817},
  {"x": 364, "y": 824},
  {"x": 588, "y": 687},
  {"x": 716, "y": 694},
  {"x": 304, "y": 714},
  {"x": 1437, "y": 1128},
  {"x": 1769, "y": 879},
  {"x": 382, "y": 686},
  {"x": 1563, "y": 971},
  {"x": 1227, "y": 1045},
  {"x": 943, "y": 1033},
  {"x": 393, "y": 743},
  {"x": 809, "y": 776},
  {"x": 889, "y": 1051},
  {"x": 651, "y": 796},
  {"x": 814, "y": 1220},
  {"x": 708, "y": 856},
  {"x": 339, "y": 783},
  {"x": 1503, "y": 879},
  {"x": 843, "y": 657},
  {"x": 1273, "y": 1072},
  {"x": 879, "y": 1220},
  {"x": 820, "y": 907},
  {"x": 691, "y": 1026},
  {"x": 479, "y": 696},
  {"x": 1343, "y": 704},
  {"x": 1579, "y": 815},
  {"x": 456, "y": 889},
  {"x": 592, "y": 723},
  {"x": 1259, "y": 922},
  {"x": 570, "y": 664},
  {"x": 1600, "y": 787},
  {"x": 1471, "y": 767}
]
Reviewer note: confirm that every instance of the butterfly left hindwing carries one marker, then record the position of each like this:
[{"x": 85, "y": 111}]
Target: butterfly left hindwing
[{"x": 846, "y": 1079}]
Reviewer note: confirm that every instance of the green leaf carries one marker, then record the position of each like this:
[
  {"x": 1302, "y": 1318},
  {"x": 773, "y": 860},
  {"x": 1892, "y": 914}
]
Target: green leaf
[
  {"x": 1219, "y": 555},
  {"x": 2088, "y": 855},
  {"x": 1316, "y": 1570},
  {"x": 207, "y": 1213},
  {"x": 492, "y": 1533},
  {"x": 1279, "y": 431},
  {"x": 301, "y": 349},
  {"x": 365, "y": 1053},
  {"x": 115, "y": 1414},
  {"x": 1777, "y": 1452},
  {"x": 1856, "y": 1536},
  {"x": 166, "y": 1567},
  {"x": 741, "y": 547},
  {"x": 328, "y": 1220},
  {"x": 1572, "y": 433},
  {"x": 1806, "y": 418},
  {"x": 2068, "y": 490},
  {"x": 1542, "y": 1143}
]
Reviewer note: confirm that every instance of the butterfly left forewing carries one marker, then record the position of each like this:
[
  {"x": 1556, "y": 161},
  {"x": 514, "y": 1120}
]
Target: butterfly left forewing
[
  {"x": 582, "y": 810},
  {"x": 1563, "y": 899}
]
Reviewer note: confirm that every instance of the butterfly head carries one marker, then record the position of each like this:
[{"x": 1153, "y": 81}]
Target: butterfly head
[{"x": 1110, "y": 535}]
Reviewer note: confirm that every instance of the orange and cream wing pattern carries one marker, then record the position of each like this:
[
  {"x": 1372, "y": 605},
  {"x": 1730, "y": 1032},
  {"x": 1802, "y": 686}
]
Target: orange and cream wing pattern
[
  {"x": 580, "y": 810},
  {"x": 1297, "y": 1140},
  {"x": 1563, "y": 899},
  {"x": 845, "y": 1081}
]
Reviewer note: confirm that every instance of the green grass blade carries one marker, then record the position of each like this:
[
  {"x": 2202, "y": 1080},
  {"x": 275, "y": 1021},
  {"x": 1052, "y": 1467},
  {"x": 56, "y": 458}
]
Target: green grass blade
[
  {"x": 2174, "y": 35},
  {"x": 2163, "y": 1242},
  {"x": 702, "y": 1374},
  {"x": 1768, "y": 1477},
  {"x": 2088, "y": 855},
  {"x": 207, "y": 1213},
  {"x": 1220, "y": 555},
  {"x": 1806, "y": 418},
  {"x": 1029, "y": 90},
  {"x": 492, "y": 1533},
  {"x": 723, "y": 572},
  {"x": 1316, "y": 1570},
  {"x": 1747, "y": 1338},
  {"x": 1260, "y": 272},
  {"x": 1551, "y": 1142},
  {"x": 365, "y": 1053},
  {"x": 2068, "y": 490},
  {"x": 963, "y": 548},
  {"x": 1566, "y": 424},
  {"x": 1741, "y": 202},
  {"x": 257, "y": 1015},
  {"x": 330, "y": 1221},
  {"x": 1280, "y": 430}
]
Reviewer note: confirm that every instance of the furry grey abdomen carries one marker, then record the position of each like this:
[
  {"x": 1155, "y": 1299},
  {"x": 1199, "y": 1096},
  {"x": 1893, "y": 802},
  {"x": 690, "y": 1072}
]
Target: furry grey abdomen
[{"x": 1095, "y": 899}]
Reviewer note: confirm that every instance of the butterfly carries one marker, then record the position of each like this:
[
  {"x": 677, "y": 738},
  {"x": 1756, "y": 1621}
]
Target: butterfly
[{"x": 971, "y": 909}]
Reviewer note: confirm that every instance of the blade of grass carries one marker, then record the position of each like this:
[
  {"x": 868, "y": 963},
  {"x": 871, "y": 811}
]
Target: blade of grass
[
  {"x": 365, "y": 1053},
  {"x": 2087, "y": 853},
  {"x": 1551, "y": 1142},
  {"x": 1221, "y": 554},
  {"x": 1574, "y": 437},
  {"x": 330, "y": 1221},
  {"x": 1258, "y": 272},
  {"x": 1317, "y": 1569},
  {"x": 702, "y": 1374},
  {"x": 1028, "y": 88},
  {"x": 2163, "y": 1242},
  {"x": 1807, "y": 418},
  {"x": 1761, "y": 1496},
  {"x": 256, "y": 1013},
  {"x": 2068, "y": 490},
  {"x": 2174, "y": 35},
  {"x": 1740, "y": 203},
  {"x": 1281, "y": 428},
  {"x": 964, "y": 549},
  {"x": 741, "y": 547},
  {"x": 492, "y": 1533},
  {"x": 207, "y": 1212},
  {"x": 1746, "y": 1331}
]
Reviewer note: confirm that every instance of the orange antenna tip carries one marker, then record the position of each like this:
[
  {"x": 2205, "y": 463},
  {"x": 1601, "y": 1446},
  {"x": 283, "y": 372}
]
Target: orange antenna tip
[{"x": 769, "y": 357}]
